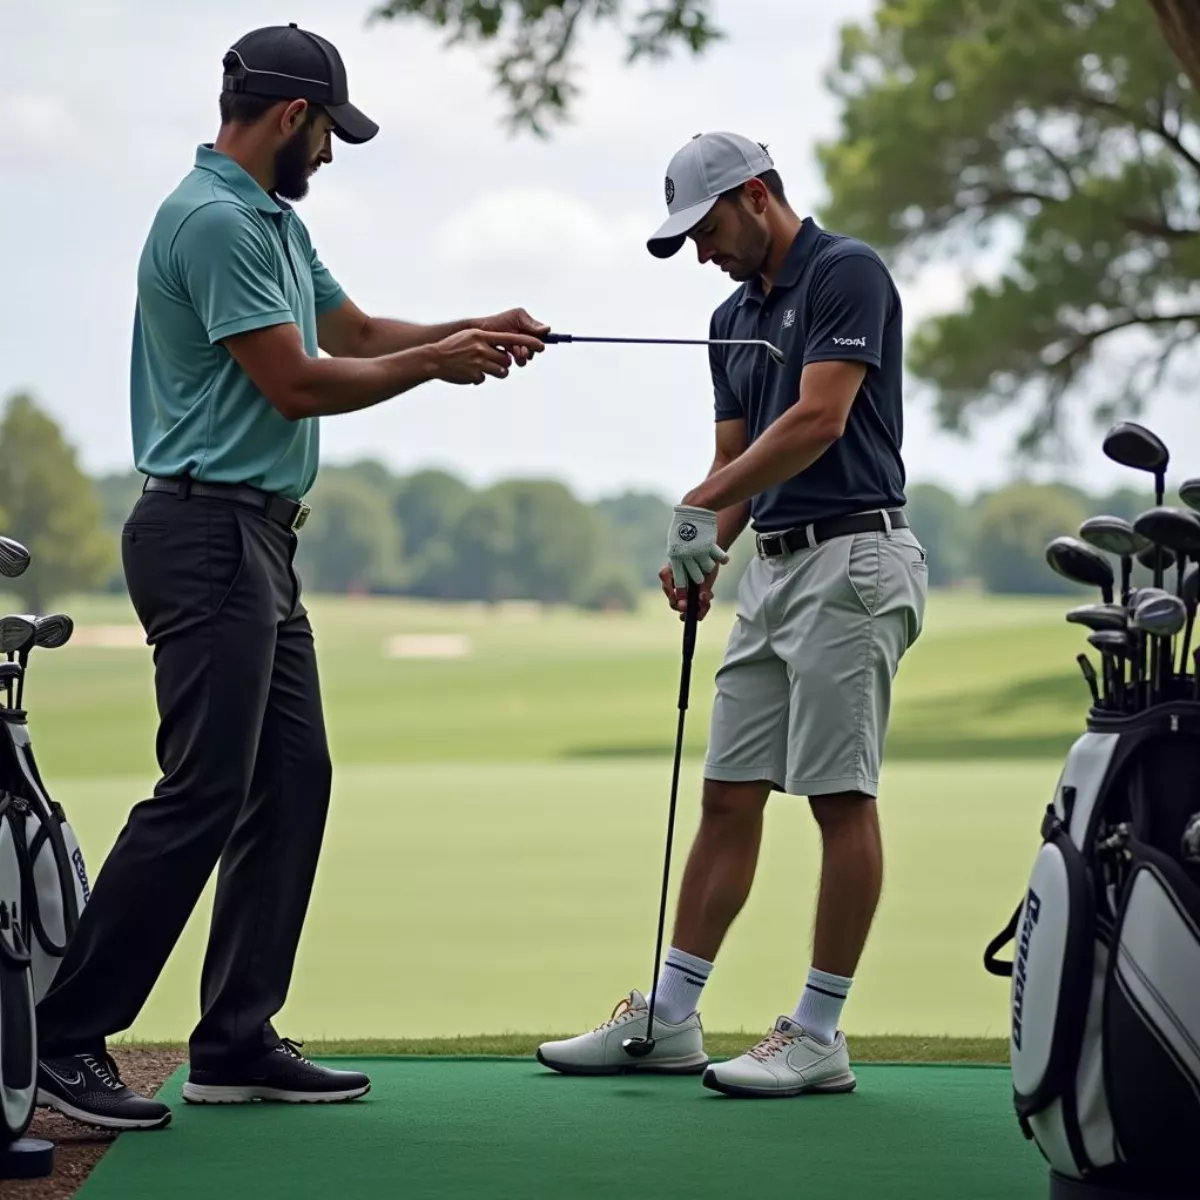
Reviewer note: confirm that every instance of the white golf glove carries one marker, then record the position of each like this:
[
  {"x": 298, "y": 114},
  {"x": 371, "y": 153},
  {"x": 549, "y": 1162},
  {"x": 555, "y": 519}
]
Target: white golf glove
[{"x": 692, "y": 544}]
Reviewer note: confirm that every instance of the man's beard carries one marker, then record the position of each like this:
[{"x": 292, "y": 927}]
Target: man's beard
[{"x": 292, "y": 164}]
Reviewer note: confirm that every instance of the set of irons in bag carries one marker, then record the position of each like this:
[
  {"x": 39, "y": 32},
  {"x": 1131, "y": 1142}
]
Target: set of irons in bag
[{"x": 43, "y": 882}]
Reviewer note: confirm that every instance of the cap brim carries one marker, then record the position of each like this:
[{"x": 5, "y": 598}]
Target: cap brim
[
  {"x": 351, "y": 125},
  {"x": 674, "y": 230}
]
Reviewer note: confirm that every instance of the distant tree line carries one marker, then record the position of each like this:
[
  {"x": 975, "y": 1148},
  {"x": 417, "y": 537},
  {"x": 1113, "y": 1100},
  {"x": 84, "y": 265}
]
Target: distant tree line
[{"x": 430, "y": 534}]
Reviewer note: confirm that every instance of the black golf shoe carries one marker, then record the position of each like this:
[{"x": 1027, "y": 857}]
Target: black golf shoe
[
  {"x": 283, "y": 1075},
  {"x": 88, "y": 1089}
]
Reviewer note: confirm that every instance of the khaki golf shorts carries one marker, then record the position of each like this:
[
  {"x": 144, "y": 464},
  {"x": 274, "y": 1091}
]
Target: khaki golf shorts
[{"x": 804, "y": 692}]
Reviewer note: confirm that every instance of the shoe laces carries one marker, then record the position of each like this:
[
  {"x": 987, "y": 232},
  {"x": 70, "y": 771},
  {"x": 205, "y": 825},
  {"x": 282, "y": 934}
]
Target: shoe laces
[
  {"x": 622, "y": 1013},
  {"x": 771, "y": 1045},
  {"x": 292, "y": 1049},
  {"x": 106, "y": 1072}
]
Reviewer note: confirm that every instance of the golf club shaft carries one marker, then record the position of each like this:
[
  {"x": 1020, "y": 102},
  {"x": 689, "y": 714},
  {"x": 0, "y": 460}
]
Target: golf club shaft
[
  {"x": 685, "y": 679},
  {"x": 563, "y": 338}
]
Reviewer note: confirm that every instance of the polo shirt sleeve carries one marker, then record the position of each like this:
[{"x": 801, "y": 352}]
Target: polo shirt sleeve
[
  {"x": 326, "y": 290},
  {"x": 726, "y": 406},
  {"x": 225, "y": 266},
  {"x": 850, "y": 303}
]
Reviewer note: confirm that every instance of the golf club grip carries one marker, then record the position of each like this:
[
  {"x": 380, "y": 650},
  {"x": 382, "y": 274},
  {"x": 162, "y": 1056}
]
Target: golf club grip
[
  {"x": 552, "y": 339},
  {"x": 690, "y": 621}
]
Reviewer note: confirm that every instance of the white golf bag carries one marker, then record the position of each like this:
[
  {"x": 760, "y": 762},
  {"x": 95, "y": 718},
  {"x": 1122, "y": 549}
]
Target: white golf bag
[
  {"x": 1105, "y": 992},
  {"x": 55, "y": 882},
  {"x": 18, "y": 1036}
]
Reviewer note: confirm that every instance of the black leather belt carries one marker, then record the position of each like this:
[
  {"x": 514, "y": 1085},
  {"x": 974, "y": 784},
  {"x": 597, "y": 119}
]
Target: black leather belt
[
  {"x": 805, "y": 537},
  {"x": 291, "y": 514}
]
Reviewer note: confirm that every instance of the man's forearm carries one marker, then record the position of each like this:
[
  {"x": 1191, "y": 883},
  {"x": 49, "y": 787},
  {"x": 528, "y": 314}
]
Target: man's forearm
[
  {"x": 383, "y": 335},
  {"x": 329, "y": 386},
  {"x": 731, "y": 522}
]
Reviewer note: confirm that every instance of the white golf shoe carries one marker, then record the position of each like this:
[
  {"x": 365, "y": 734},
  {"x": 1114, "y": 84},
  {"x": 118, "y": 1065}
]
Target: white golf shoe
[
  {"x": 678, "y": 1049},
  {"x": 787, "y": 1062}
]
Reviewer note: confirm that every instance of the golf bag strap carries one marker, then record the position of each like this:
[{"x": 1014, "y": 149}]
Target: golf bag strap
[{"x": 991, "y": 963}]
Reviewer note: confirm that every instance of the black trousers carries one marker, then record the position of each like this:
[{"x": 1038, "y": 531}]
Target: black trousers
[{"x": 245, "y": 783}]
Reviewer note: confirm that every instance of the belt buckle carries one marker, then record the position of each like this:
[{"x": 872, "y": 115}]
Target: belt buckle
[{"x": 302, "y": 511}]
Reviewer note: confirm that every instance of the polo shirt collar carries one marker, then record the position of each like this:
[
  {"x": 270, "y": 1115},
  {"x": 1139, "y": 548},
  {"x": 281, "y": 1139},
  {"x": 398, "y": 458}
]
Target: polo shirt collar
[
  {"x": 236, "y": 177},
  {"x": 793, "y": 265}
]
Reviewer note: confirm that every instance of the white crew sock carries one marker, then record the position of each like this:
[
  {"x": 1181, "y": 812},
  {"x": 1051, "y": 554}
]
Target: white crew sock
[
  {"x": 821, "y": 1004},
  {"x": 680, "y": 983}
]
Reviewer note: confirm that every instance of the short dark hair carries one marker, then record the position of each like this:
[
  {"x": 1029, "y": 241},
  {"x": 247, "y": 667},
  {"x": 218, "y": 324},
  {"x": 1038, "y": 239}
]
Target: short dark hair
[
  {"x": 242, "y": 108},
  {"x": 771, "y": 180}
]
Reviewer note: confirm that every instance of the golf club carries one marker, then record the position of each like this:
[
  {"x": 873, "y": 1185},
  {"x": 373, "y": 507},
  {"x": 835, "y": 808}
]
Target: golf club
[
  {"x": 16, "y": 634},
  {"x": 1178, "y": 529},
  {"x": 49, "y": 632},
  {"x": 1089, "y": 674},
  {"x": 1096, "y": 617},
  {"x": 14, "y": 558},
  {"x": 10, "y": 672},
  {"x": 1189, "y": 594},
  {"x": 1115, "y": 535},
  {"x": 1138, "y": 651},
  {"x": 1157, "y": 559},
  {"x": 773, "y": 351},
  {"x": 1133, "y": 445},
  {"x": 1110, "y": 642},
  {"x": 1189, "y": 493},
  {"x": 639, "y": 1047},
  {"x": 1161, "y": 617},
  {"x": 1074, "y": 560}
]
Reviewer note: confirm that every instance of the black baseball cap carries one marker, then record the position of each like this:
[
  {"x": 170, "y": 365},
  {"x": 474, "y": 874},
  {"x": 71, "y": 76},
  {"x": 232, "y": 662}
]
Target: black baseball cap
[{"x": 293, "y": 64}]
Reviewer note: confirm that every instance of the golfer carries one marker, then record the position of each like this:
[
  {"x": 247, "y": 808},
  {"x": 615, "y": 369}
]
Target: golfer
[
  {"x": 809, "y": 454},
  {"x": 227, "y": 392}
]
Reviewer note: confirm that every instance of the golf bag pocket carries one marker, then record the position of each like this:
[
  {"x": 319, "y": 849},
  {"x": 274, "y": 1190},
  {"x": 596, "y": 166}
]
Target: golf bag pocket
[
  {"x": 1152, "y": 1019},
  {"x": 18, "y": 1032}
]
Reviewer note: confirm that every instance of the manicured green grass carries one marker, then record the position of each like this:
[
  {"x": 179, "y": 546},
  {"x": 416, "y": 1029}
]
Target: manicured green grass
[{"x": 494, "y": 853}]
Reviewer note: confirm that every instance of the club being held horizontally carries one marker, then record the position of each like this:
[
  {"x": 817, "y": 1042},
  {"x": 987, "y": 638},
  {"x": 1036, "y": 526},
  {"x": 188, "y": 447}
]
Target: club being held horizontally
[{"x": 772, "y": 350}]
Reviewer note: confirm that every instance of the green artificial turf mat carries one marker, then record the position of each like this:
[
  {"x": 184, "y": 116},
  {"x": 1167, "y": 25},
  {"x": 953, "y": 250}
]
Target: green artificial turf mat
[{"x": 463, "y": 1127}]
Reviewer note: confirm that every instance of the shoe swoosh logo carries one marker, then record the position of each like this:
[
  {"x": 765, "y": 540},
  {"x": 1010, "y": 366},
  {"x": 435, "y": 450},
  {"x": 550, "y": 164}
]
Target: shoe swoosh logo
[{"x": 74, "y": 1082}]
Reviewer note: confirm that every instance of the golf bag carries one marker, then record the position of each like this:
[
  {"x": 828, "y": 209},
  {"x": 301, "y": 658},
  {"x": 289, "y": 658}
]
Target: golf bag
[
  {"x": 54, "y": 875},
  {"x": 1105, "y": 993},
  {"x": 18, "y": 1037}
]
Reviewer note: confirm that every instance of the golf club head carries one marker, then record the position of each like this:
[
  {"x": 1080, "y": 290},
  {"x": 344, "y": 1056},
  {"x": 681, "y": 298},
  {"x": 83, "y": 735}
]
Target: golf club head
[
  {"x": 1190, "y": 592},
  {"x": 1099, "y": 616},
  {"x": 53, "y": 631},
  {"x": 1109, "y": 641},
  {"x": 1178, "y": 529},
  {"x": 637, "y": 1047},
  {"x": 1156, "y": 557},
  {"x": 1113, "y": 535},
  {"x": 17, "y": 633},
  {"x": 1160, "y": 616},
  {"x": 14, "y": 558},
  {"x": 1133, "y": 445},
  {"x": 1189, "y": 493},
  {"x": 1079, "y": 562}
]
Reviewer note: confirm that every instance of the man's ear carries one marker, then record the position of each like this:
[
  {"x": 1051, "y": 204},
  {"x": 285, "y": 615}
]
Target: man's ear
[
  {"x": 293, "y": 116},
  {"x": 757, "y": 195}
]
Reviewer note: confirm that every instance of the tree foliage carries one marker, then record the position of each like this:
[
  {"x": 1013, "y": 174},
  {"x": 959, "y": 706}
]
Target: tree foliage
[
  {"x": 50, "y": 506},
  {"x": 535, "y": 39},
  {"x": 1059, "y": 135}
]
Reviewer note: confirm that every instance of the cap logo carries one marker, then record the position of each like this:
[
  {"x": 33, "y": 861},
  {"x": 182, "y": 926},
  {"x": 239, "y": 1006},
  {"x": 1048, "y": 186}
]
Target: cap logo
[{"x": 670, "y": 189}]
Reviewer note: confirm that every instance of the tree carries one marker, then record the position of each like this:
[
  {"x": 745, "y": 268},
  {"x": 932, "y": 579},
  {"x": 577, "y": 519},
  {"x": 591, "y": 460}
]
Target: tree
[
  {"x": 1013, "y": 527},
  {"x": 50, "y": 506},
  {"x": 532, "y": 66},
  {"x": 943, "y": 526},
  {"x": 1179, "y": 21},
  {"x": 1057, "y": 135}
]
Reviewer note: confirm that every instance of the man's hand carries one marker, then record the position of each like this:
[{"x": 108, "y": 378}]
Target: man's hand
[
  {"x": 474, "y": 354},
  {"x": 677, "y": 596},
  {"x": 692, "y": 550},
  {"x": 515, "y": 320}
]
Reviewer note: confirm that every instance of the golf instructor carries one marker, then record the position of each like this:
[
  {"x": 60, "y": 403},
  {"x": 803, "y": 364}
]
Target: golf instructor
[
  {"x": 227, "y": 392},
  {"x": 809, "y": 454}
]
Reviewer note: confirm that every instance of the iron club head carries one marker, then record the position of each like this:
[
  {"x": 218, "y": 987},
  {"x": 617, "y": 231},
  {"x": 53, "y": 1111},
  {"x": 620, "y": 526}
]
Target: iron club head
[
  {"x": 53, "y": 631},
  {"x": 638, "y": 1047},
  {"x": 14, "y": 558}
]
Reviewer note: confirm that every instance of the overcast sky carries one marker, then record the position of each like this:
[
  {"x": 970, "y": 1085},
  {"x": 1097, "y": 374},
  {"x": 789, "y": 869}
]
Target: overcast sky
[{"x": 443, "y": 215}]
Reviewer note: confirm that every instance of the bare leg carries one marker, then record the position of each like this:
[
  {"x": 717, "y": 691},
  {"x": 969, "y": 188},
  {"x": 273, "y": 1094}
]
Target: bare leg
[
  {"x": 851, "y": 879},
  {"x": 720, "y": 866}
]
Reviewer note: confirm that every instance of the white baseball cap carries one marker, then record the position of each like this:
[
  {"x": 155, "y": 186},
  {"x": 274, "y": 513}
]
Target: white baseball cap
[{"x": 709, "y": 165}]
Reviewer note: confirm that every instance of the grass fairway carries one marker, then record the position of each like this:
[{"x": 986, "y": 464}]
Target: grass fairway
[{"x": 493, "y": 857}]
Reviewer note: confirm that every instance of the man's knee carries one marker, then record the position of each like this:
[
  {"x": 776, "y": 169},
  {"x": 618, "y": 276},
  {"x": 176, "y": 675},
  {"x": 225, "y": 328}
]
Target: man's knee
[
  {"x": 845, "y": 810},
  {"x": 734, "y": 804}
]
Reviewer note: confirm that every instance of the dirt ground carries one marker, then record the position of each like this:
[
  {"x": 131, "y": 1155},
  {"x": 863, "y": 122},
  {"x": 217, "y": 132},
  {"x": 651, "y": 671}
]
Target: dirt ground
[{"x": 77, "y": 1149}]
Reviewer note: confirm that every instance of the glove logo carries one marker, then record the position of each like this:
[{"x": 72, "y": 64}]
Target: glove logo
[
  {"x": 670, "y": 189},
  {"x": 687, "y": 533}
]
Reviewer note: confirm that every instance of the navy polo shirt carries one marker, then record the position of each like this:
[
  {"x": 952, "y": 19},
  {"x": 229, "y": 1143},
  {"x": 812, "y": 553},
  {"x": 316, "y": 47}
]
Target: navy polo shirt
[{"x": 834, "y": 300}]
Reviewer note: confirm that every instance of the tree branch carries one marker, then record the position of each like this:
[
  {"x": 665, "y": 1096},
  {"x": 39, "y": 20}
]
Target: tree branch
[
  {"x": 1131, "y": 117},
  {"x": 1085, "y": 341}
]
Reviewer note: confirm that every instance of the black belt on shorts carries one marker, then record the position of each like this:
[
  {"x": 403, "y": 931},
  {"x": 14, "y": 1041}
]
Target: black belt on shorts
[
  {"x": 289, "y": 513},
  {"x": 805, "y": 537}
]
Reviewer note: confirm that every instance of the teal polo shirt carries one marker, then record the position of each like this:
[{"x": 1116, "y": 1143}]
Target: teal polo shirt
[{"x": 222, "y": 257}]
